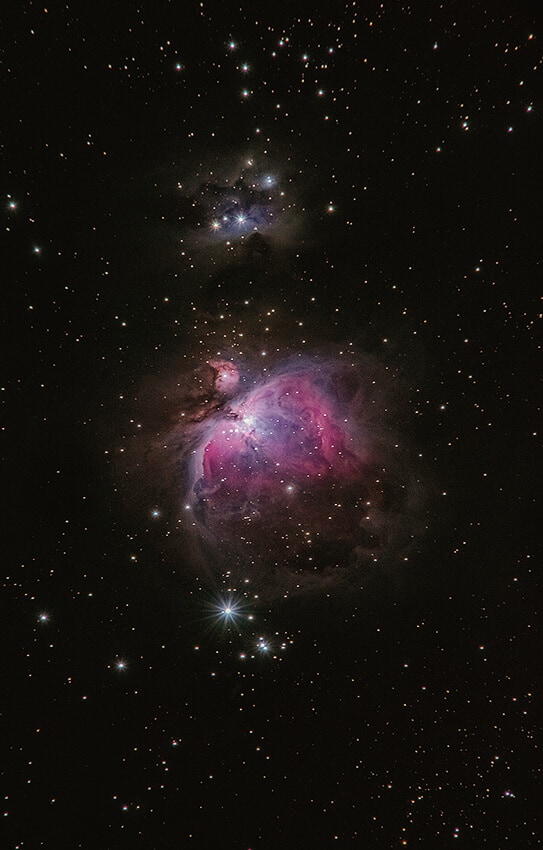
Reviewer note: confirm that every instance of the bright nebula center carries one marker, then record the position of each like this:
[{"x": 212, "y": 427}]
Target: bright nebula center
[{"x": 285, "y": 429}]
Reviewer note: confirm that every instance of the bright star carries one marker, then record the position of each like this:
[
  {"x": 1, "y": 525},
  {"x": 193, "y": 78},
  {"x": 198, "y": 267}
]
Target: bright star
[{"x": 228, "y": 609}]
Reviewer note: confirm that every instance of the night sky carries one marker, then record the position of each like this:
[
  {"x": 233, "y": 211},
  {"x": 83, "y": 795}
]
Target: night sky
[{"x": 271, "y": 422}]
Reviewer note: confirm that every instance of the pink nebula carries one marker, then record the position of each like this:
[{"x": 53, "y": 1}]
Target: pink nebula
[{"x": 281, "y": 465}]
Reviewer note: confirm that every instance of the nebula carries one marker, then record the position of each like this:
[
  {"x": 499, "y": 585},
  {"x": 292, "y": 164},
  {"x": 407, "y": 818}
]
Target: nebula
[
  {"x": 231, "y": 208},
  {"x": 263, "y": 463},
  {"x": 291, "y": 474},
  {"x": 245, "y": 208}
]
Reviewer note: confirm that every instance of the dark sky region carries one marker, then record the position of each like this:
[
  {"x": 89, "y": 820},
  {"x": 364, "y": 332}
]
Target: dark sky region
[{"x": 271, "y": 430}]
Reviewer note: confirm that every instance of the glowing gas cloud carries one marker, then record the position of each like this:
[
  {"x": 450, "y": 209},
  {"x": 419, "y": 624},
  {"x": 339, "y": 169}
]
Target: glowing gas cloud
[{"x": 292, "y": 473}]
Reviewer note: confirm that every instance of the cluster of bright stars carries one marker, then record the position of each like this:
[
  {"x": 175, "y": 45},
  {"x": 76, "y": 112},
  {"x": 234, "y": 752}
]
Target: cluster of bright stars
[
  {"x": 268, "y": 181},
  {"x": 216, "y": 224}
]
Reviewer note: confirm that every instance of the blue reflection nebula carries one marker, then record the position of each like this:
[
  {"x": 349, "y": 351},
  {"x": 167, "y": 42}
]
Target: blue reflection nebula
[{"x": 241, "y": 208}]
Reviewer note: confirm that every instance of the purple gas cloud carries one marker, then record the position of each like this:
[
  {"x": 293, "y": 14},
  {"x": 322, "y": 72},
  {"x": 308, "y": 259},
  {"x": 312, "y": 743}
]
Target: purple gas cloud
[
  {"x": 292, "y": 474},
  {"x": 284, "y": 471}
]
